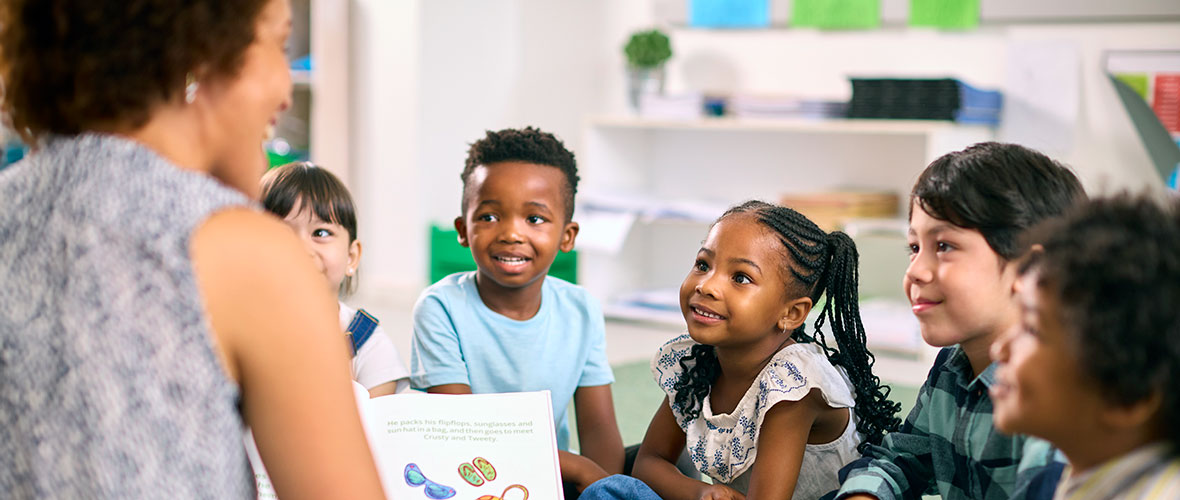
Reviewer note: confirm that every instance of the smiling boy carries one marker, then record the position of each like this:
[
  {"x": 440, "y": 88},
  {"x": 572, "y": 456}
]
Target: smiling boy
[
  {"x": 968, "y": 211},
  {"x": 508, "y": 326},
  {"x": 1095, "y": 366}
]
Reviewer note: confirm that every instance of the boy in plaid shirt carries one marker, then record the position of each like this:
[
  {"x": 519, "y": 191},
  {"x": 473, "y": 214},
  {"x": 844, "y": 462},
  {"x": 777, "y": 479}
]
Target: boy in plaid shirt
[{"x": 968, "y": 210}]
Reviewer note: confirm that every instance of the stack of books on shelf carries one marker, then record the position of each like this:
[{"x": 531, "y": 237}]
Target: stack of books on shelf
[
  {"x": 924, "y": 99},
  {"x": 763, "y": 106},
  {"x": 831, "y": 209}
]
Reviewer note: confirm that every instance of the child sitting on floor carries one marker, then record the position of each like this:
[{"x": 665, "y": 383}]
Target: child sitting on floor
[
  {"x": 1095, "y": 366},
  {"x": 319, "y": 208},
  {"x": 765, "y": 410},
  {"x": 967, "y": 213},
  {"x": 508, "y": 326}
]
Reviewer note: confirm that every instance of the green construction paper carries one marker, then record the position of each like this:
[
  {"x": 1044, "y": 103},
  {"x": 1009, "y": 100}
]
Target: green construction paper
[
  {"x": 836, "y": 14},
  {"x": 1137, "y": 82},
  {"x": 945, "y": 14}
]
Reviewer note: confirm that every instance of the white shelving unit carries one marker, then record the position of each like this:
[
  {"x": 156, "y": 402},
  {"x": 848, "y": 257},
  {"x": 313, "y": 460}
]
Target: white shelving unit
[
  {"x": 318, "y": 120},
  {"x": 715, "y": 163}
]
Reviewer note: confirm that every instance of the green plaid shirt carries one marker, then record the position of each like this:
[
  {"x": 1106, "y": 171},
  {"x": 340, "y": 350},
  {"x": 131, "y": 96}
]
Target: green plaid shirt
[{"x": 948, "y": 446}]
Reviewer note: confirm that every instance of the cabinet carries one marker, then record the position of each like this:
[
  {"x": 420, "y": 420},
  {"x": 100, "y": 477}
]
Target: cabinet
[
  {"x": 318, "y": 120},
  {"x": 680, "y": 175}
]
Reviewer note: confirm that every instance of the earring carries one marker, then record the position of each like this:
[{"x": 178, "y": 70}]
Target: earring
[
  {"x": 351, "y": 270},
  {"x": 190, "y": 88}
]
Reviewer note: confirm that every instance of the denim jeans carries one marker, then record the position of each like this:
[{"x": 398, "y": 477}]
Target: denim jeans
[{"x": 619, "y": 487}]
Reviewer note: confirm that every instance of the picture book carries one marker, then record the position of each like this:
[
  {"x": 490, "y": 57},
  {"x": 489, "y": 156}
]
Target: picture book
[{"x": 465, "y": 447}]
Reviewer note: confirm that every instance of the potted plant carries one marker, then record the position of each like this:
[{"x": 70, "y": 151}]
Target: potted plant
[{"x": 646, "y": 52}]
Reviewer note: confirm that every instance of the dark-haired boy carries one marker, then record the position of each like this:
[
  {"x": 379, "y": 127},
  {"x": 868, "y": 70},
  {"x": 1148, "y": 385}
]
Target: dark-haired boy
[
  {"x": 508, "y": 326},
  {"x": 968, "y": 211},
  {"x": 1095, "y": 366}
]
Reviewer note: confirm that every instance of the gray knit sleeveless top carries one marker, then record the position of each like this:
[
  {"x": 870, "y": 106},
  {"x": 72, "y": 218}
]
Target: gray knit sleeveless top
[{"x": 109, "y": 383}]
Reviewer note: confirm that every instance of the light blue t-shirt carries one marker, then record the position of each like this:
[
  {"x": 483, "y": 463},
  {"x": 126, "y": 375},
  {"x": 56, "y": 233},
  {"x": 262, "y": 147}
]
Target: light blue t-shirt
[{"x": 459, "y": 340}]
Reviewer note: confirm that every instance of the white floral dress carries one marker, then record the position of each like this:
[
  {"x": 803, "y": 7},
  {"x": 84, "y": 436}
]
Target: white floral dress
[{"x": 723, "y": 446}]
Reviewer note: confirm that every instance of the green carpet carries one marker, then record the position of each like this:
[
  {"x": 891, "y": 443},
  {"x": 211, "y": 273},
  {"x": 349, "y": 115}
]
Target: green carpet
[{"x": 636, "y": 398}]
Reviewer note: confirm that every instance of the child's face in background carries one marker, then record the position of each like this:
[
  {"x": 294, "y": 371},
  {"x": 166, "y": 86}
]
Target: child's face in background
[
  {"x": 515, "y": 223},
  {"x": 328, "y": 244},
  {"x": 735, "y": 294},
  {"x": 1040, "y": 388},
  {"x": 959, "y": 288}
]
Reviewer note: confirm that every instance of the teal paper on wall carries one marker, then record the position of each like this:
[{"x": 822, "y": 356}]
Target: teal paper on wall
[
  {"x": 836, "y": 14},
  {"x": 946, "y": 14},
  {"x": 729, "y": 13}
]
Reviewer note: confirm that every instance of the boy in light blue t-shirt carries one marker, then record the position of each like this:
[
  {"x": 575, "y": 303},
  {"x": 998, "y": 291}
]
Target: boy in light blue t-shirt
[{"x": 507, "y": 326}]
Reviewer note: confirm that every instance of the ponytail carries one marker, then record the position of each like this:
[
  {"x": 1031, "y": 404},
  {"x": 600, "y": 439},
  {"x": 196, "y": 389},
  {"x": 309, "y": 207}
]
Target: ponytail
[{"x": 875, "y": 412}]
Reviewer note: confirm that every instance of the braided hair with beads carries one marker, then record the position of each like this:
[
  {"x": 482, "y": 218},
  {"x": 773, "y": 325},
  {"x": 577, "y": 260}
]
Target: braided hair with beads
[{"x": 821, "y": 263}]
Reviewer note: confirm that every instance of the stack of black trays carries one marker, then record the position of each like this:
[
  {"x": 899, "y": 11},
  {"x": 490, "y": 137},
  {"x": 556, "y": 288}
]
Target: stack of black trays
[{"x": 910, "y": 99}]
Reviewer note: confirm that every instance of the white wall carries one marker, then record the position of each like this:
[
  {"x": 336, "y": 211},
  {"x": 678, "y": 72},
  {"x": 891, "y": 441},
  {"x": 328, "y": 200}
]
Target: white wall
[
  {"x": 502, "y": 63},
  {"x": 431, "y": 75},
  {"x": 1107, "y": 151}
]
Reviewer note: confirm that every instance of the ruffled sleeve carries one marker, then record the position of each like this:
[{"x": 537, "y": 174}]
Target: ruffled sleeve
[{"x": 795, "y": 371}]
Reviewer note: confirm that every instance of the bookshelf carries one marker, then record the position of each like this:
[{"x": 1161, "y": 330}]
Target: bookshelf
[
  {"x": 677, "y": 176},
  {"x": 318, "y": 119}
]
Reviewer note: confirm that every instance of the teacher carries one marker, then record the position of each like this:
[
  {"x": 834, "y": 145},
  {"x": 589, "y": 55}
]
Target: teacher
[{"x": 148, "y": 310}]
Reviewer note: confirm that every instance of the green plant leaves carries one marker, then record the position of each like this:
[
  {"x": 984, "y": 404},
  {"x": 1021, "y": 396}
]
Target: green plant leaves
[{"x": 648, "y": 49}]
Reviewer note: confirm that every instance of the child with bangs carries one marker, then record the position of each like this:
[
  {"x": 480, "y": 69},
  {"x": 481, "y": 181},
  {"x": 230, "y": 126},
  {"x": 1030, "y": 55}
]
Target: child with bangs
[
  {"x": 968, "y": 211},
  {"x": 314, "y": 203}
]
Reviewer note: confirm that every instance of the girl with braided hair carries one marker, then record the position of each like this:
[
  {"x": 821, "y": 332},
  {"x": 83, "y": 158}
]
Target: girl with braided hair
[{"x": 764, "y": 408}]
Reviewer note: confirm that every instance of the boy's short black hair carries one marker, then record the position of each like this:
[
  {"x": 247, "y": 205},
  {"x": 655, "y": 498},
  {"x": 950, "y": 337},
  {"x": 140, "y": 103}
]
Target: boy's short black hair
[
  {"x": 1113, "y": 266},
  {"x": 529, "y": 145},
  {"x": 998, "y": 189}
]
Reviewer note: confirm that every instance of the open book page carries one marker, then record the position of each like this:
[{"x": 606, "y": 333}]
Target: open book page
[{"x": 467, "y": 447}]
